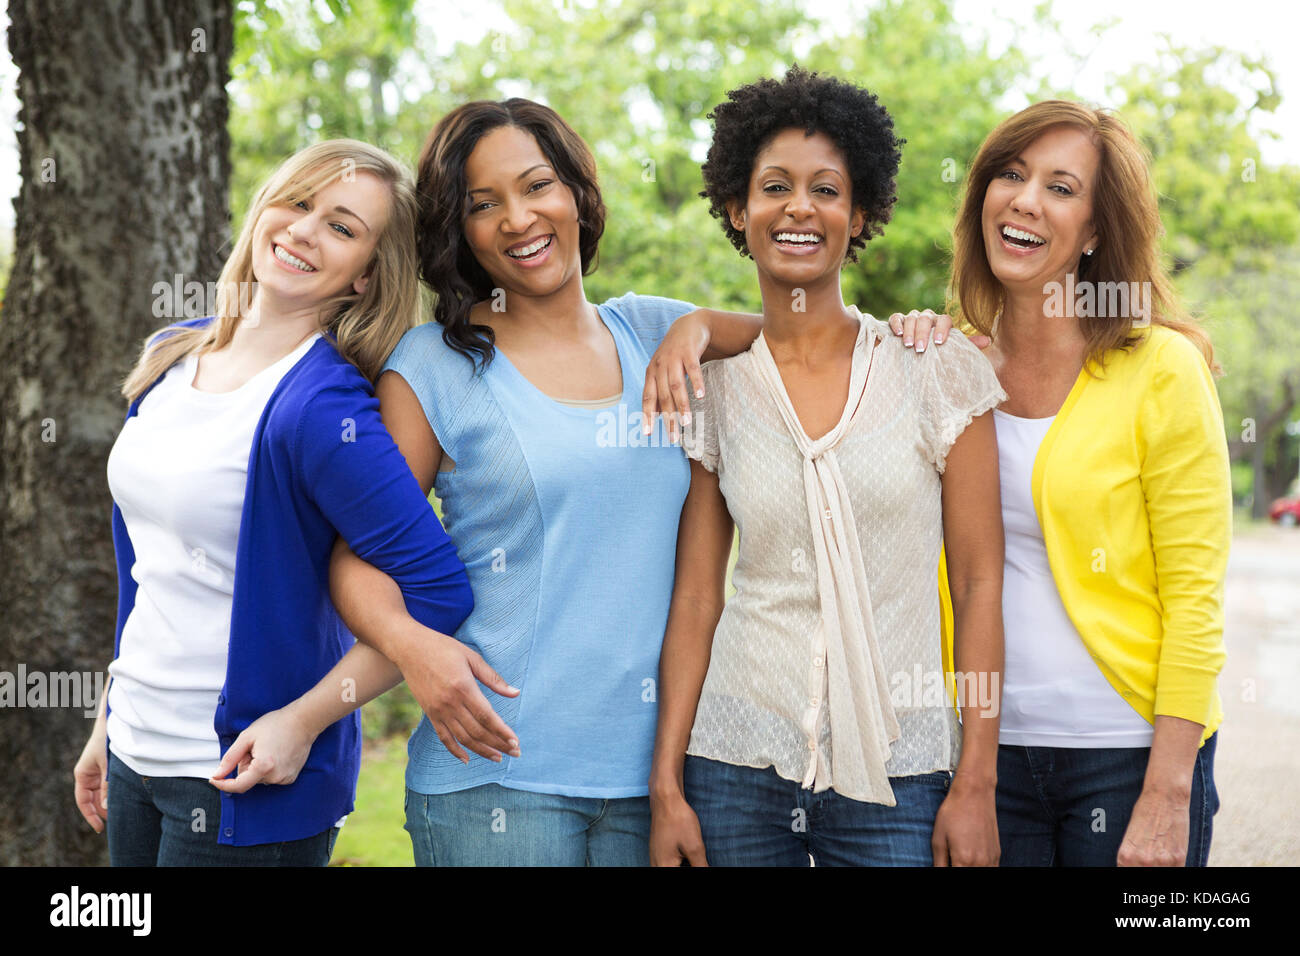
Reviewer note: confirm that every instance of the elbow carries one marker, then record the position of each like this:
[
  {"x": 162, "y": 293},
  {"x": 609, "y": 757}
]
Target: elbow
[{"x": 461, "y": 600}]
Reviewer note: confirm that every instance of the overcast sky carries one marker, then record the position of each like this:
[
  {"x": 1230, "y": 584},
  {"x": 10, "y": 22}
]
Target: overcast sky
[{"x": 1265, "y": 28}]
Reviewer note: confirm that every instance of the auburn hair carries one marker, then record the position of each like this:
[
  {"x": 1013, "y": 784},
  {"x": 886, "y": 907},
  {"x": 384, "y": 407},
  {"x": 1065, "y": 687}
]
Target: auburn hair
[{"x": 1125, "y": 215}]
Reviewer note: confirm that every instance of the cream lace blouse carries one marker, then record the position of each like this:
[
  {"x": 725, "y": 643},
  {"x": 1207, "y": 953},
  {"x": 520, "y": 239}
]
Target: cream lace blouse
[{"x": 826, "y": 663}]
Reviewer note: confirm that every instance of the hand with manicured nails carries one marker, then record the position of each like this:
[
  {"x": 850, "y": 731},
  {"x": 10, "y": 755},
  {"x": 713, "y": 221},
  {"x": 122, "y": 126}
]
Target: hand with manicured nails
[
  {"x": 272, "y": 749},
  {"x": 915, "y": 328},
  {"x": 90, "y": 777},
  {"x": 444, "y": 677},
  {"x": 674, "y": 366}
]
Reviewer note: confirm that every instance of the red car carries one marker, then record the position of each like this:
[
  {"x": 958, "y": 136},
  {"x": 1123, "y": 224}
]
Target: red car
[{"x": 1285, "y": 511}]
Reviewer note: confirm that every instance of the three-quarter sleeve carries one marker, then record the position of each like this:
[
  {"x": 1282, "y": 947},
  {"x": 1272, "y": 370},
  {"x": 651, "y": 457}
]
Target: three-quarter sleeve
[
  {"x": 1185, "y": 478},
  {"x": 353, "y": 471},
  {"x": 956, "y": 384},
  {"x": 700, "y": 437}
]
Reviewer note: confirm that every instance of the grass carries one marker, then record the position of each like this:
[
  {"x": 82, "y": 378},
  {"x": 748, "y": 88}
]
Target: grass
[{"x": 373, "y": 835}]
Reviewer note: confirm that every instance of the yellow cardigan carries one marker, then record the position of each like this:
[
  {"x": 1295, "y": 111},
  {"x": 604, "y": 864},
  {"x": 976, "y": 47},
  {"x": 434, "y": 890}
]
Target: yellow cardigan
[{"x": 1132, "y": 492}]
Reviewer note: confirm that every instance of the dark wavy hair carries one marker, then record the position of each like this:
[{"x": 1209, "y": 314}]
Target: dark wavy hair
[
  {"x": 446, "y": 263},
  {"x": 851, "y": 117}
]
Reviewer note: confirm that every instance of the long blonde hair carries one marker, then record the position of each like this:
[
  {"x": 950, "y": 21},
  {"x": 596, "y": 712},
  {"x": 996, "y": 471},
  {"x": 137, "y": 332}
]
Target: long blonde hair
[
  {"x": 1125, "y": 214},
  {"x": 366, "y": 326}
]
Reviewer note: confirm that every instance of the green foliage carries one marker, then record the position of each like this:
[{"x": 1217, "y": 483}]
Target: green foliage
[
  {"x": 1194, "y": 109},
  {"x": 637, "y": 78},
  {"x": 395, "y": 712}
]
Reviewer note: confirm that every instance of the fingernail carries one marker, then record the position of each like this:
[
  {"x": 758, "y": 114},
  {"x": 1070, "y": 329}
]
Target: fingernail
[
  {"x": 907, "y": 343},
  {"x": 938, "y": 340},
  {"x": 921, "y": 347},
  {"x": 699, "y": 393}
]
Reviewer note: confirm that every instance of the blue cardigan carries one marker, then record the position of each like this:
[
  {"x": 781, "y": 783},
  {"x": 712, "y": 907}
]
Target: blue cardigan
[{"x": 321, "y": 464}]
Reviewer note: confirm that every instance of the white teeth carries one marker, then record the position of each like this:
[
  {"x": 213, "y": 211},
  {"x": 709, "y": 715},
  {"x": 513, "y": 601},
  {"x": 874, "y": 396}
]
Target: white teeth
[
  {"x": 292, "y": 260},
  {"x": 803, "y": 237},
  {"x": 529, "y": 249},
  {"x": 1022, "y": 235}
]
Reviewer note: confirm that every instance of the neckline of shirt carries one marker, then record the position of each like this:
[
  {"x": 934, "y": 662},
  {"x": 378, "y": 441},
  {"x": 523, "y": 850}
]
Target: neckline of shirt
[
  {"x": 575, "y": 405},
  {"x": 1018, "y": 418},
  {"x": 277, "y": 369}
]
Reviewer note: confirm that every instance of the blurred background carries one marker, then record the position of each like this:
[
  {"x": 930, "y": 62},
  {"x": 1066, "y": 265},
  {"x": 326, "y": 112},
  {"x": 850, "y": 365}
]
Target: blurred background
[{"x": 143, "y": 127}]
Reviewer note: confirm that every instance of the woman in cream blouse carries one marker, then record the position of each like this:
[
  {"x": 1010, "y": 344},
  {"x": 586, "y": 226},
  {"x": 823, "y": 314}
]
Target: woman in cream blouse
[{"x": 815, "y": 720}]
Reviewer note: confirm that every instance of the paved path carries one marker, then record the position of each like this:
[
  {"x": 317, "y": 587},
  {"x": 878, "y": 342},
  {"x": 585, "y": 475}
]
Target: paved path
[{"x": 1257, "y": 766}]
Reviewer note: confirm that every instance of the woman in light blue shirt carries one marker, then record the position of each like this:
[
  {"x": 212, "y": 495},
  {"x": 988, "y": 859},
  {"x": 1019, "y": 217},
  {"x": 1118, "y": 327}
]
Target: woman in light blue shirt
[{"x": 521, "y": 407}]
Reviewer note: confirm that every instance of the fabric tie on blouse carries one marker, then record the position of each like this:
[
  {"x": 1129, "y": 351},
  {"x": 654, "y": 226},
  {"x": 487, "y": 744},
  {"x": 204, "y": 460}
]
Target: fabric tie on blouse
[{"x": 862, "y": 719}]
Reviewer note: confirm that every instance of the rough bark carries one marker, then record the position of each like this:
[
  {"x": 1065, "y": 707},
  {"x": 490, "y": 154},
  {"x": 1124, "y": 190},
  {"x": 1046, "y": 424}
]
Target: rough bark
[{"x": 125, "y": 161}]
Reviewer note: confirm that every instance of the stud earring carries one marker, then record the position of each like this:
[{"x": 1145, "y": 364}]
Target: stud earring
[{"x": 1087, "y": 252}]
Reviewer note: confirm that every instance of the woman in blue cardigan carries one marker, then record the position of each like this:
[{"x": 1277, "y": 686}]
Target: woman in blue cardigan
[{"x": 252, "y": 442}]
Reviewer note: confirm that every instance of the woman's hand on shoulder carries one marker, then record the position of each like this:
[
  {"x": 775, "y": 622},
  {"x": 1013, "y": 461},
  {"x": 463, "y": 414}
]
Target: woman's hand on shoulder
[
  {"x": 916, "y": 327},
  {"x": 673, "y": 369},
  {"x": 272, "y": 749}
]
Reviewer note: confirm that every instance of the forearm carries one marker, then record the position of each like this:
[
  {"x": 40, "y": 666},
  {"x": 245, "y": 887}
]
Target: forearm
[
  {"x": 683, "y": 665},
  {"x": 360, "y": 676},
  {"x": 371, "y": 605},
  {"x": 978, "y": 662},
  {"x": 730, "y": 333},
  {"x": 1174, "y": 745}
]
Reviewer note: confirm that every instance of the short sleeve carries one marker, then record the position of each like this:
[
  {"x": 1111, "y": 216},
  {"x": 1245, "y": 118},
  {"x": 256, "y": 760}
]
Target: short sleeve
[
  {"x": 956, "y": 383},
  {"x": 649, "y": 316},
  {"x": 700, "y": 437},
  {"x": 442, "y": 379},
  {"x": 353, "y": 471},
  {"x": 1186, "y": 481}
]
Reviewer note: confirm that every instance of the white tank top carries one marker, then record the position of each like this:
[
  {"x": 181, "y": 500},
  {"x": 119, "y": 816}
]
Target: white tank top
[
  {"x": 178, "y": 471},
  {"x": 1053, "y": 695}
]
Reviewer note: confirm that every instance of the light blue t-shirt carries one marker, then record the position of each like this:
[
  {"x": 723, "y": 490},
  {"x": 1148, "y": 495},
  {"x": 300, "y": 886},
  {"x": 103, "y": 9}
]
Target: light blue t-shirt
[{"x": 566, "y": 519}]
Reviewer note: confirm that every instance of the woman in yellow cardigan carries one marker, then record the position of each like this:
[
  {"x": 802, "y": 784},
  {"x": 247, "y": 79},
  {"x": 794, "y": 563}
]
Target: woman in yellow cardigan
[{"x": 1115, "y": 499}]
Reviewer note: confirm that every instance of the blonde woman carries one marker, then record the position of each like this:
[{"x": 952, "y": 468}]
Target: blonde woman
[{"x": 254, "y": 440}]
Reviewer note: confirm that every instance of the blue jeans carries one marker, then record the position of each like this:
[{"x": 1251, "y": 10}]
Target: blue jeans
[
  {"x": 751, "y": 817},
  {"x": 494, "y": 825},
  {"x": 174, "y": 821},
  {"x": 1070, "y": 806}
]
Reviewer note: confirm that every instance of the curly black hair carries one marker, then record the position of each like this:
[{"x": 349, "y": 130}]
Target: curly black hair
[{"x": 850, "y": 116}]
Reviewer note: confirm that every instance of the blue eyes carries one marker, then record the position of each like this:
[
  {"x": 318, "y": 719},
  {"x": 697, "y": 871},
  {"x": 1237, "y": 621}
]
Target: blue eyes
[{"x": 338, "y": 227}]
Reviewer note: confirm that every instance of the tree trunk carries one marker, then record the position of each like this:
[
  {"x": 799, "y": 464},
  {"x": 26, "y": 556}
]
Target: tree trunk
[{"x": 124, "y": 156}]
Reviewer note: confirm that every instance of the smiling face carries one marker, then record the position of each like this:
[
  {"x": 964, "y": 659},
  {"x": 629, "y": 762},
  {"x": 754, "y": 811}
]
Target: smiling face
[
  {"x": 320, "y": 247},
  {"x": 798, "y": 216},
  {"x": 1037, "y": 214},
  {"x": 521, "y": 222}
]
